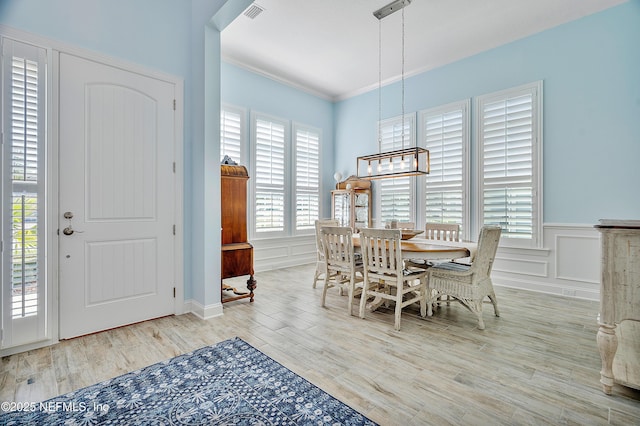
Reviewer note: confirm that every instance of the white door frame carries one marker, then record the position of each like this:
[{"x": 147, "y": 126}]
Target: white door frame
[{"x": 54, "y": 48}]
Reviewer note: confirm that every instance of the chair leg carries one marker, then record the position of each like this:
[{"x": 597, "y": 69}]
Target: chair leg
[
  {"x": 316, "y": 276},
  {"x": 351, "y": 291},
  {"x": 423, "y": 297},
  {"x": 480, "y": 321},
  {"x": 494, "y": 301},
  {"x": 325, "y": 287},
  {"x": 476, "y": 308},
  {"x": 363, "y": 297},
  {"x": 430, "y": 301},
  {"x": 398, "y": 311}
]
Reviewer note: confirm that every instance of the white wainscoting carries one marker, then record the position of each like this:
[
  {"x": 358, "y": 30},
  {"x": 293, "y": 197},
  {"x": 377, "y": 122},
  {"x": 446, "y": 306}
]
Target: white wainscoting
[
  {"x": 568, "y": 265},
  {"x": 276, "y": 253}
]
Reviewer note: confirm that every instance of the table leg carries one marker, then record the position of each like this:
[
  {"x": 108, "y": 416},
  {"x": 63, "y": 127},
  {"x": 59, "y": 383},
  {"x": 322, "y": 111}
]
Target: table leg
[
  {"x": 608, "y": 345},
  {"x": 375, "y": 304}
]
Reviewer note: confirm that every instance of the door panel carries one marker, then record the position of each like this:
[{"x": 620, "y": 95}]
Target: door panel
[
  {"x": 130, "y": 267},
  {"x": 117, "y": 191},
  {"x": 121, "y": 148}
]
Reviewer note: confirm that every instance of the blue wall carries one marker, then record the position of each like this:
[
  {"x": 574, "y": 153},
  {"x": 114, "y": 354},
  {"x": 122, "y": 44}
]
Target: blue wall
[
  {"x": 591, "y": 74},
  {"x": 112, "y": 27},
  {"x": 253, "y": 92}
]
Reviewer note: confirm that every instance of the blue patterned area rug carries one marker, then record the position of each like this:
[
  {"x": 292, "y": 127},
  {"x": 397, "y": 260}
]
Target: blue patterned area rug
[{"x": 230, "y": 383}]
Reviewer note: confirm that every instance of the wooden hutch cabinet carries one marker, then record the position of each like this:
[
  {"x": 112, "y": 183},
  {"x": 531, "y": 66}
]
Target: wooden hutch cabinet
[
  {"x": 237, "y": 252},
  {"x": 351, "y": 204}
]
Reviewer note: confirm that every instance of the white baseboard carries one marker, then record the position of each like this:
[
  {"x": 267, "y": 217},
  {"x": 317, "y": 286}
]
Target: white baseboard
[
  {"x": 201, "y": 311},
  {"x": 29, "y": 347}
]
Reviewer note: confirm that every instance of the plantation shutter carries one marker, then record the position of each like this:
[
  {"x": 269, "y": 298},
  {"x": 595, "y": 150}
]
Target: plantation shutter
[
  {"x": 23, "y": 203},
  {"x": 394, "y": 194},
  {"x": 231, "y": 135},
  {"x": 307, "y": 157},
  {"x": 508, "y": 144},
  {"x": 445, "y": 135},
  {"x": 269, "y": 176}
]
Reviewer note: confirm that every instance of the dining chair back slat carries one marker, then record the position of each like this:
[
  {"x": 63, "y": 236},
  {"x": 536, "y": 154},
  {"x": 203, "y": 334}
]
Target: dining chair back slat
[{"x": 442, "y": 231}]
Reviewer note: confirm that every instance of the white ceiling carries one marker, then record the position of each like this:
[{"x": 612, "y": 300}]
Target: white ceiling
[{"x": 330, "y": 47}]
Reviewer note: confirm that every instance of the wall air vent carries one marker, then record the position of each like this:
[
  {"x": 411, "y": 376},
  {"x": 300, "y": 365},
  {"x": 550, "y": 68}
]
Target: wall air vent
[{"x": 253, "y": 11}]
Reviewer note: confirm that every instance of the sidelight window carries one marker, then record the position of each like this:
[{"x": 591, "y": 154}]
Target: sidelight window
[{"x": 23, "y": 192}]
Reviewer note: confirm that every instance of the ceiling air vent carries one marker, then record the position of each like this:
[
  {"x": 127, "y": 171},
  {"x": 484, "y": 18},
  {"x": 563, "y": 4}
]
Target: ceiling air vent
[{"x": 253, "y": 11}]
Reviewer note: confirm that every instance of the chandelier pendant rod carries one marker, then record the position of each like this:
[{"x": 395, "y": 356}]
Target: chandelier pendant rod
[
  {"x": 402, "y": 78},
  {"x": 379, "y": 83}
]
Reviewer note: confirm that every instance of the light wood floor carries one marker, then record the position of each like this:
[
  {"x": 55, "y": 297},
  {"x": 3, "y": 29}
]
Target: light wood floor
[{"x": 537, "y": 364}]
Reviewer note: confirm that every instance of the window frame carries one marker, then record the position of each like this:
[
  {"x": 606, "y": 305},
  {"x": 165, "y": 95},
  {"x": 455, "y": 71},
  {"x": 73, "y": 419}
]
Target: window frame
[
  {"x": 423, "y": 115},
  {"x": 295, "y": 127},
  {"x": 286, "y": 188},
  {"x": 534, "y": 89},
  {"x": 30, "y": 329}
]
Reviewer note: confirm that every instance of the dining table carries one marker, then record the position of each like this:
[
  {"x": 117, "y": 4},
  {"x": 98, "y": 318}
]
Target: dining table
[{"x": 422, "y": 248}]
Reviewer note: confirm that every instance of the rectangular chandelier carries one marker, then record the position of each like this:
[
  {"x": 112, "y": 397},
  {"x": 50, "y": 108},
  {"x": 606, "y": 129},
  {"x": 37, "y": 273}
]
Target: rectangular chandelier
[{"x": 412, "y": 161}]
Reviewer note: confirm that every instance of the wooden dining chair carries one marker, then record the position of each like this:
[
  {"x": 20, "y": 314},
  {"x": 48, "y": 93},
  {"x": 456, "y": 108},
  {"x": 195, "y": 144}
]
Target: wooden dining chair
[
  {"x": 320, "y": 263},
  {"x": 442, "y": 231},
  {"x": 435, "y": 231},
  {"x": 468, "y": 284},
  {"x": 385, "y": 278},
  {"x": 400, "y": 225},
  {"x": 342, "y": 264}
]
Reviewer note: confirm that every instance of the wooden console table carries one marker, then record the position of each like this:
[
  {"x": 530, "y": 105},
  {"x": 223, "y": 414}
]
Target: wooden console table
[{"x": 619, "y": 319}]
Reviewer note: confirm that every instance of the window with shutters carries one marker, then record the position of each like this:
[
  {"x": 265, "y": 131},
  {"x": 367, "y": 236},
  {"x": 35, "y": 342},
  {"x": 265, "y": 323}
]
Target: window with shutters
[
  {"x": 307, "y": 177},
  {"x": 510, "y": 163},
  {"x": 24, "y": 79},
  {"x": 286, "y": 177},
  {"x": 270, "y": 146},
  {"x": 394, "y": 195},
  {"x": 232, "y": 134},
  {"x": 444, "y": 131}
]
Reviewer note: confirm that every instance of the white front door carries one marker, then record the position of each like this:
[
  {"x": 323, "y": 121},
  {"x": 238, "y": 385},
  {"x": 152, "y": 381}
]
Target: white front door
[{"x": 116, "y": 197}]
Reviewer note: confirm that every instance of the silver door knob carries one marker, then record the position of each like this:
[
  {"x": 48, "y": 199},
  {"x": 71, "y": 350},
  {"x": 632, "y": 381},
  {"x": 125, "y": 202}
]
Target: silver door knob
[
  {"x": 68, "y": 230},
  {"x": 68, "y": 215}
]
